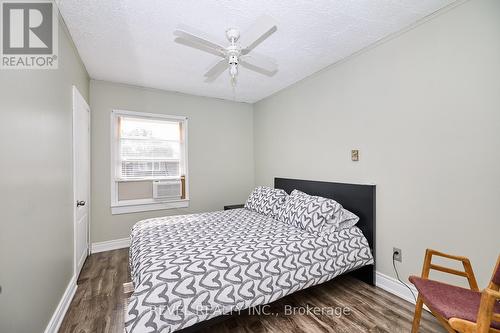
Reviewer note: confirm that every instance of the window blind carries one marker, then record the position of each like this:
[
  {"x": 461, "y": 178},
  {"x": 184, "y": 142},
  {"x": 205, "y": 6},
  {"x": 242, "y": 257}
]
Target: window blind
[{"x": 149, "y": 148}]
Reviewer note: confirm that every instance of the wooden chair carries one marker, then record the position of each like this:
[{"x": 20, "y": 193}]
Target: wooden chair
[{"x": 458, "y": 309}]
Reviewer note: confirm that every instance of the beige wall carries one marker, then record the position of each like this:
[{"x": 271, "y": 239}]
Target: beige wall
[
  {"x": 221, "y": 167},
  {"x": 424, "y": 110},
  {"x": 36, "y": 215}
]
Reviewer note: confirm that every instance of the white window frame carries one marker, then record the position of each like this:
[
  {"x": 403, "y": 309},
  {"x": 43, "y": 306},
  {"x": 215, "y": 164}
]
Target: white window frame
[{"x": 144, "y": 205}]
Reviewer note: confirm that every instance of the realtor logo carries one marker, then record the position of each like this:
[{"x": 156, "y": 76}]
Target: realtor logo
[{"x": 29, "y": 35}]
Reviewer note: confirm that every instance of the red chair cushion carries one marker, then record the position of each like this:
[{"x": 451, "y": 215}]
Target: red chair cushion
[{"x": 451, "y": 301}]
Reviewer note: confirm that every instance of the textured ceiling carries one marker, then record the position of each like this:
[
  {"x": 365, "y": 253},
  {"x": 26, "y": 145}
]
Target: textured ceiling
[{"x": 132, "y": 41}]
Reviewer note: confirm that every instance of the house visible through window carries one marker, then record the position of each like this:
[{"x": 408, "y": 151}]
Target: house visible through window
[{"x": 150, "y": 164}]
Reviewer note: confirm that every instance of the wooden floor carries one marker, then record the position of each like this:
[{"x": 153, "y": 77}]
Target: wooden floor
[{"x": 98, "y": 306}]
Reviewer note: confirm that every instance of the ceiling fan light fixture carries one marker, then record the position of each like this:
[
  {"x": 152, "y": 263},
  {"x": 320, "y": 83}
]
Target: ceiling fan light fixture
[{"x": 237, "y": 52}]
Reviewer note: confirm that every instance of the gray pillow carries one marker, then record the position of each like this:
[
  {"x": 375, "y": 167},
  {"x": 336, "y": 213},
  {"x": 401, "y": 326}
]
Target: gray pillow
[
  {"x": 309, "y": 212},
  {"x": 266, "y": 201}
]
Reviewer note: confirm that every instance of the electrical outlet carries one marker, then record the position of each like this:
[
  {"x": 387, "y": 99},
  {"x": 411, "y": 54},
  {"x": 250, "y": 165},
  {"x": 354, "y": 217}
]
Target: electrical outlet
[{"x": 397, "y": 254}]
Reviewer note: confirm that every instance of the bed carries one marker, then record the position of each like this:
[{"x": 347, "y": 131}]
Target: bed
[{"x": 192, "y": 269}]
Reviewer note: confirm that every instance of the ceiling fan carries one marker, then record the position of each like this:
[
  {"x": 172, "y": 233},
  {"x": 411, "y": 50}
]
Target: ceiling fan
[{"x": 239, "y": 52}]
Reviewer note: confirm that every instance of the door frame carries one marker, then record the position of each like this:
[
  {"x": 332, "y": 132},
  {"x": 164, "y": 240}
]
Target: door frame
[{"x": 75, "y": 96}]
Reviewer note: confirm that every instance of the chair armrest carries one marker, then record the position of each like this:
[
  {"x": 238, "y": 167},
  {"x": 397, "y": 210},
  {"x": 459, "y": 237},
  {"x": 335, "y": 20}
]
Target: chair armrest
[
  {"x": 492, "y": 293},
  {"x": 486, "y": 310},
  {"x": 467, "y": 272},
  {"x": 446, "y": 255},
  {"x": 495, "y": 295}
]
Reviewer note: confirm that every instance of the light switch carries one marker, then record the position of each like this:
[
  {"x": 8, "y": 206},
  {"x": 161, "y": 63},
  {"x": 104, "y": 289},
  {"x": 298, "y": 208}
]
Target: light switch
[{"x": 355, "y": 155}]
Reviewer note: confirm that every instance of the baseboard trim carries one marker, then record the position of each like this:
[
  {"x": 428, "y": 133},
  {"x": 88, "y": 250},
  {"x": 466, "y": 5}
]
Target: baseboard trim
[
  {"x": 58, "y": 316},
  {"x": 114, "y": 244},
  {"x": 395, "y": 287}
]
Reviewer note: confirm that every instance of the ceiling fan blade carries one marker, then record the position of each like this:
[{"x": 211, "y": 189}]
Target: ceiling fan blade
[
  {"x": 199, "y": 46},
  {"x": 216, "y": 70},
  {"x": 259, "y": 63},
  {"x": 257, "y": 33},
  {"x": 196, "y": 36}
]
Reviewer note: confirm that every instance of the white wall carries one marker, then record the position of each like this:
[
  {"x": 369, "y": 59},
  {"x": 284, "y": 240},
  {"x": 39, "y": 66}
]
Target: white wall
[
  {"x": 424, "y": 110},
  {"x": 221, "y": 166},
  {"x": 36, "y": 200}
]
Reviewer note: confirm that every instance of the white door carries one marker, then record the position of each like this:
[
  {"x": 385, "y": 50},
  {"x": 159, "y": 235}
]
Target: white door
[{"x": 81, "y": 178}]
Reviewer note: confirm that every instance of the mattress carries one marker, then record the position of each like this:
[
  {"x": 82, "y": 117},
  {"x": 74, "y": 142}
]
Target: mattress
[{"x": 190, "y": 268}]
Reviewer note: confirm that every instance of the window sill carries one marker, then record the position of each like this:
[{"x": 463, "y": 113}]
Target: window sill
[
  {"x": 134, "y": 207},
  {"x": 130, "y": 180}
]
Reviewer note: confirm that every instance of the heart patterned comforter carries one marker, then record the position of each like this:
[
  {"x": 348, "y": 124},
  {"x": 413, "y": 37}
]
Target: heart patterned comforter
[{"x": 190, "y": 268}]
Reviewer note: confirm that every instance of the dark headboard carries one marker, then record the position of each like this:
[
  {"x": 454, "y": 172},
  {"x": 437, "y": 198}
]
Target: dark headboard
[{"x": 359, "y": 199}]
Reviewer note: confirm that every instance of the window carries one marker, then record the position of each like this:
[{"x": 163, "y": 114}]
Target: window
[{"x": 149, "y": 162}]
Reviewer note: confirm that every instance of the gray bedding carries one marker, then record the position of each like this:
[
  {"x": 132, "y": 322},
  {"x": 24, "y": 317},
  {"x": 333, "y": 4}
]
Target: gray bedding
[{"x": 190, "y": 268}]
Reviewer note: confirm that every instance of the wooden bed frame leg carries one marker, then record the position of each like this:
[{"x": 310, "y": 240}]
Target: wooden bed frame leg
[{"x": 418, "y": 314}]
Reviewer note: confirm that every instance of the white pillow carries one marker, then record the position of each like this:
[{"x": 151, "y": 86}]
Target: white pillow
[
  {"x": 346, "y": 220},
  {"x": 266, "y": 200},
  {"x": 309, "y": 212}
]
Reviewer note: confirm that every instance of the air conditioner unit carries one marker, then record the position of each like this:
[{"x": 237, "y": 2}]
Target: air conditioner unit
[{"x": 167, "y": 189}]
